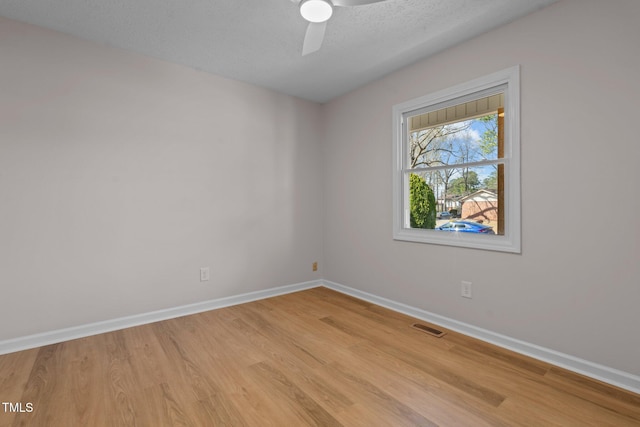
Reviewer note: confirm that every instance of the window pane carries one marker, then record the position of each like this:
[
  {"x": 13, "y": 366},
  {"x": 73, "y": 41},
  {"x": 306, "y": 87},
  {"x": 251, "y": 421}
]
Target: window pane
[
  {"x": 465, "y": 141},
  {"x": 457, "y": 194}
]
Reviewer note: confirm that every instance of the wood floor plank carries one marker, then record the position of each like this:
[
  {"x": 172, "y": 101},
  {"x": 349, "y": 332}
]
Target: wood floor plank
[
  {"x": 313, "y": 384},
  {"x": 119, "y": 385},
  {"x": 148, "y": 359},
  {"x": 278, "y": 333},
  {"x": 197, "y": 367},
  {"x": 448, "y": 405},
  {"x": 40, "y": 388},
  {"x": 14, "y": 374},
  {"x": 85, "y": 370},
  {"x": 162, "y": 406},
  {"x": 596, "y": 392},
  {"x": 301, "y": 316},
  {"x": 315, "y": 357},
  {"x": 544, "y": 409},
  {"x": 435, "y": 363},
  {"x": 308, "y": 409},
  {"x": 386, "y": 403},
  {"x": 475, "y": 349}
]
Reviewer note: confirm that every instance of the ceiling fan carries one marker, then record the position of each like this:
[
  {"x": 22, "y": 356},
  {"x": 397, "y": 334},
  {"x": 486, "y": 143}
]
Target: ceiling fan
[{"x": 318, "y": 12}]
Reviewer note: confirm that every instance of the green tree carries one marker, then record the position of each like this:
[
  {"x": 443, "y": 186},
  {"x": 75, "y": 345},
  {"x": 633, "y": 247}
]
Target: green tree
[
  {"x": 465, "y": 184},
  {"x": 489, "y": 138},
  {"x": 491, "y": 182},
  {"x": 489, "y": 147},
  {"x": 422, "y": 203}
]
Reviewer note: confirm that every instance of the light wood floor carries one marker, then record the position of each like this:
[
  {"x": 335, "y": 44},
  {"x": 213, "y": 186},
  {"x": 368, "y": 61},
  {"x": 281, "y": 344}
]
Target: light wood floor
[{"x": 310, "y": 358}]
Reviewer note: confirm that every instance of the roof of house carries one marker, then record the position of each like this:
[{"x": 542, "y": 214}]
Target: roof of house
[{"x": 484, "y": 193}]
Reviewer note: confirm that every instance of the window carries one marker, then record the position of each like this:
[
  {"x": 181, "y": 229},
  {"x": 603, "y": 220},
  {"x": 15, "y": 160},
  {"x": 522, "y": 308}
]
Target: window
[{"x": 456, "y": 165}]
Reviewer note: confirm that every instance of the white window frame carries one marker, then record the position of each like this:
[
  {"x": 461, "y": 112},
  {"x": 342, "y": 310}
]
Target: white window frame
[{"x": 510, "y": 241}]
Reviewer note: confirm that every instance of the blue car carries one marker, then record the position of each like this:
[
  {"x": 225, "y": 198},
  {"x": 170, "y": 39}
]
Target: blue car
[{"x": 466, "y": 227}]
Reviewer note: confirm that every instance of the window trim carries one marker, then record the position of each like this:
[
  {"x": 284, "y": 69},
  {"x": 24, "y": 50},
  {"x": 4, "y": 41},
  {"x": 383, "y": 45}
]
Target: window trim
[{"x": 511, "y": 240}]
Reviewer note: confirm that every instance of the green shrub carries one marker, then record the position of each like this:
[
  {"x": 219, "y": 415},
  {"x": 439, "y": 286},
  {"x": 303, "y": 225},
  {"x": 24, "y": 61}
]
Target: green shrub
[{"x": 422, "y": 203}]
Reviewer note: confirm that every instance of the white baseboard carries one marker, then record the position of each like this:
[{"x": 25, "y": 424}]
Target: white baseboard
[
  {"x": 66, "y": 334},
  {"x": 599, "y": 372},
  {"x": 603, "y": 373}
]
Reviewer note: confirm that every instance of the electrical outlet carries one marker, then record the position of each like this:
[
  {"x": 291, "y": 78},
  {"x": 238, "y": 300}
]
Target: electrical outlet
[
  {"x": 314, "y": 267},
  {"x": 465, "y": 289},
  {"x": 204, "y": 274}
]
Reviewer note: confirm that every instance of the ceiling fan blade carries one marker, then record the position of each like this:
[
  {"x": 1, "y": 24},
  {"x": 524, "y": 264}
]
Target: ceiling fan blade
[
  {"x": 313, "y": 38},
  {"x": 353, "y": 2}
]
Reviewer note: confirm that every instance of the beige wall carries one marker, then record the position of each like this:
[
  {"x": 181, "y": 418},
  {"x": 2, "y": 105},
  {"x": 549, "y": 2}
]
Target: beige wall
[
  {"x": 121, "y": 176},
  {"x": 576, "y": 286}
]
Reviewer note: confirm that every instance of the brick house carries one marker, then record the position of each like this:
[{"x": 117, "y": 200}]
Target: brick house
[{"x": 480, "y": 206}]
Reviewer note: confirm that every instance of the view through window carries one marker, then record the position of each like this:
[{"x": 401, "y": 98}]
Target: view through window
[
  {"x": 455, "y": 173},
  {"x": 456, "y": 165}
]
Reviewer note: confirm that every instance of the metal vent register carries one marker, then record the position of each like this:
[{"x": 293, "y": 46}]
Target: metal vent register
[{"x": 428, "y": 329}]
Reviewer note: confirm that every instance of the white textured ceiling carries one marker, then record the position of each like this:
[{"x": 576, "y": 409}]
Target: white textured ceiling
[{"x": 260, "y": 41}]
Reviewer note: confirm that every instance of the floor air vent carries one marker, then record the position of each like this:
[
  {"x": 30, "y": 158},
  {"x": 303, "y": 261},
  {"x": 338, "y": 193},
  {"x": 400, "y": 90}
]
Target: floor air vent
[{"x": 429, "y": 330}]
